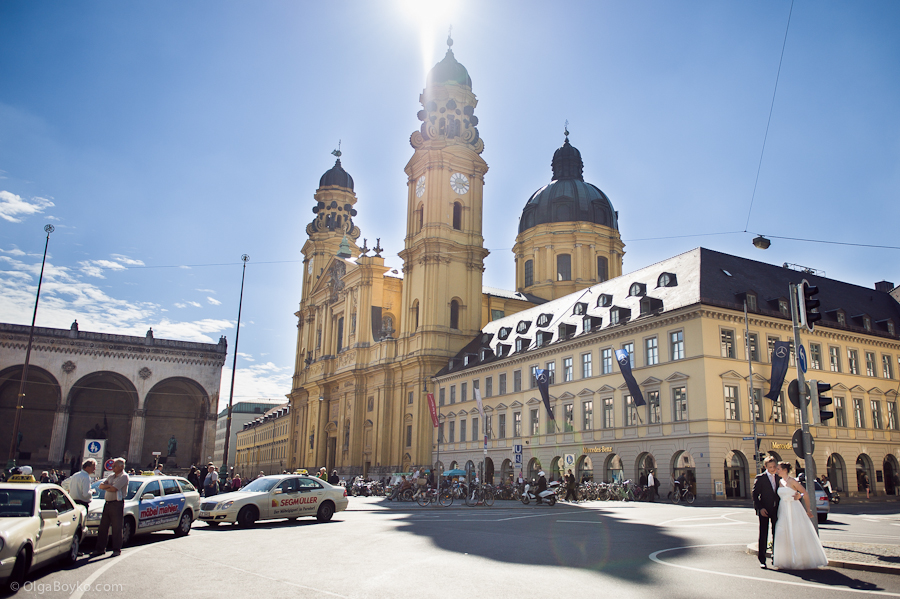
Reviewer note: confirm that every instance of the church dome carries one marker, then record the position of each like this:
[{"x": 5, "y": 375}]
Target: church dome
[
  {"x": 567, "y": 198},
  {"x": 448, "y": 71},
  {"x": 336, "y": 175}
]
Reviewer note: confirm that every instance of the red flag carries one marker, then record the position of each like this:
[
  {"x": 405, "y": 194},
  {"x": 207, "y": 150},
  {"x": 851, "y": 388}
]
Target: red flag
[{"x": 433, "y": 409}]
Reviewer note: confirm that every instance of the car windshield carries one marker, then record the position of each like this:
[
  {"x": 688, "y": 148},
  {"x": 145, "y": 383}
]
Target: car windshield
[
  {"x": 133, "y": 486},
  {"x": 261, "y": 485},
  {"x": 16, "y": 503}
]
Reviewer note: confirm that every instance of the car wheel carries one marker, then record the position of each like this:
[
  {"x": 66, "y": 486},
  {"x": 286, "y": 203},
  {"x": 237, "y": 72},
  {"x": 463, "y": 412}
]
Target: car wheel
[
  {"x": 823, "y": 518},
  {"x": 247, "y": 517},
  {"x": 72, "y": 555},
  {"x": 127, "y": 531},
  {"x": 184, "y": 525},
  {"x": 20, "y": 569},
  {"x": 326, "y": 511}
]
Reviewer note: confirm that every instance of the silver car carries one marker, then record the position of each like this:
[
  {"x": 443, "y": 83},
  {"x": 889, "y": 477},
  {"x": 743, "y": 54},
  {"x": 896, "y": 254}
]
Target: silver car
[{"x": 152, "y": 503}]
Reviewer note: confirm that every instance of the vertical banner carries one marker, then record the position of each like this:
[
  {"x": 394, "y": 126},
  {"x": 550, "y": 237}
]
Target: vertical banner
[
  {"x": 625, "y": 366},
  {"x": 480, "y": 406},
  {"x": 781, "y": 357},
  {"x": 543, "y": 381},
  {"x": 433, "y": 409}
]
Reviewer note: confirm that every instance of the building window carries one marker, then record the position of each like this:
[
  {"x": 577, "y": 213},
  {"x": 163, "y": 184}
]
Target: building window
[
  {"x": 370, "y": 404},
  {"x": 842, "y": 320},
  {"x": 758, "y": 405},
  {"x": 630, "y": 411},
  {"x": 529, "y": 273},
  {"x": 409, "y": 398},
  {"x": 815, "y": 356},
  {"x": 887, "y": 368},
  {"x": 651, "y": 351},
  {"x": 840, "y": 413},
  {"x": 497, "y": 314},
  {"x": 409, "y": 435},
  {"x": 463, "y": 392},
  {"x": 629, "y": 347},
  {"x": 834, "y": 358},
  {"x": 870, "y": 363},
  {"x": 501, "y": 423},
  {"x": 462, "y": 430},
  {"x": 728, "y": 344},
  {"x": 606, "y": 358},
  {"x": 501, "y": 380},
  {"x": 653, "y": 407},
  {"x": 797, "y": 416},
  {"x": 457, "y": 216},
  {"x": 778, "y": 409},
  {"x": 867, "y": 323},
  {"x": 859, "y": 417},
  {"x": 454, "y": 314},
  {"x": 679, "y": 400},
  {"x": 420, "y": 213},
  {"x": 608, "y": 416},
  {"x": 783, "y": 307},
  {"x": 517, "y": 381},
  {"x": 475, "y": 430},
  {"x": 441, "y": 397},
  {"x": 602, "y": 269},
  {"x": 876, "y": 414},
  {"x": 517, "y": 424},
  {"x": 535, "y": 422},
  {"x": 563, "y": 267},
  {"x": 770, "y": 343},
  {"x": 534, "y": 370},
  {"x": 586, "y": 366},
  {"x": 452, "y": 394},
  {"x": 340, "y": 334},
  {"x": 568, "y": 370},
  {"x": 893, "y": 422},
  {"x": 551, "y": 372},
  {"x": 441, "y": 436},
  {"x": 569, "y": 418},
  {"x": 676, "y": 345},
  {"x": 731, "y": 402},
  {"x": 751, "y": 302},
  {"x": 488, "y": 386},
  {"x": 853, "y": 361},
  {"x": 452, "y": 431},
  {"x": 587, "y": 412}
]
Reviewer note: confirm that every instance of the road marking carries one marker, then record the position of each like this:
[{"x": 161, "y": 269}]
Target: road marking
[
  {"x": 731, "y": 522},
  {"x": 822, "y": 587},
  {"x": 582, "y": 521},
  {"x": 79, "y": 591}
]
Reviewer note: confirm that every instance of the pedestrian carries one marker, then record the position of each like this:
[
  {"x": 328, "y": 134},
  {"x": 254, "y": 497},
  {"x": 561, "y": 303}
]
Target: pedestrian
[
  {"x": 261, "y": 474},
  {"x": 334, "y": 479},
  {"x": 765, "y": 502},
  {"x": 45, "y": 477},
  {"x": 236, "y": 482},
  {"x": 54, "y": 478},
  {"x": 158, "y": 470},
  {"x": 80, "y": 483},
  {"x": 211, "y": 482},
  {"x": 323, "y": 474},
  {"x": 116, "y": 487},
  {"x": 571, "y": 487},
  {"x": 652, "y": 484},
  {"x": 864, "y": 483},
  {"x": 194, "y": 477}
]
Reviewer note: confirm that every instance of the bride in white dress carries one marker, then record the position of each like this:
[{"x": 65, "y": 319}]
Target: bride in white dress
[{"x": 796, "y": 546}]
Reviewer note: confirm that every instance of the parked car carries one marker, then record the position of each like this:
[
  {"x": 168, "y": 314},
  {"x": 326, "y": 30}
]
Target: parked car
[
  {"x": 152, "y": 503},
  {"x": 271, "y": 497},
  {"x": 823, "y": 506},
  {"x": 39, "y": 523}
]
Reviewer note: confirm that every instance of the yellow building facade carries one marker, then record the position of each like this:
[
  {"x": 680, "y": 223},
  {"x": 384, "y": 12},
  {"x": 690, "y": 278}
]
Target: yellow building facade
[{"x": 263, "y": 445}]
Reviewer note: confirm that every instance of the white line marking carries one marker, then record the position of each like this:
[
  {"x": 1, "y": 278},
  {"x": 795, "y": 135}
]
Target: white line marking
[
  {"x": 654, "y": 556},
  {"x": 582, "y": 521},
  {"x": 79, "y": 591}
]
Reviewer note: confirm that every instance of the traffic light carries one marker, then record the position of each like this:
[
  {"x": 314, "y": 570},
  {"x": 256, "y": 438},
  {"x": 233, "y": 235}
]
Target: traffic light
[
  {"x": 819, "y": 402},
  {"x": 808, "y": 304}
]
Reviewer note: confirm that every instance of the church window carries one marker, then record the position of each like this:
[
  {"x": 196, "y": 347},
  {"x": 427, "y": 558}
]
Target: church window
[
  {"x": 415, "y": 315},
  {"x": 457, "y": 216},
  {"x": 420, "y": 216},
  {"x": 529, "y": 273},
  {"x": 564, "y": 267},
  {"x": 454, "y": 314},
  {"x": 602, "y": 269},
  {"x": 340, "y": 333}
]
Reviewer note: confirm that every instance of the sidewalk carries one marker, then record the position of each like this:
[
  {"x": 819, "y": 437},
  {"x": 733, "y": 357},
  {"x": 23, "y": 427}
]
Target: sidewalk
[{"x": 856, "y": 556}]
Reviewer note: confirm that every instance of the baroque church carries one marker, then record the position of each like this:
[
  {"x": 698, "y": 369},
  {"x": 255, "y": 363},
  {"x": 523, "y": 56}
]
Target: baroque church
[{"x": 370, "y": 340}]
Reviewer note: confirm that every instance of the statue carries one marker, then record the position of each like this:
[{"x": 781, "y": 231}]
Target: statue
[{"x": 173, "y": 446}]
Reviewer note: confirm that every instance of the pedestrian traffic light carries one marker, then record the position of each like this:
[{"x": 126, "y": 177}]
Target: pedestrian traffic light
[
  {"x": 809, "y": 305},
  {"x": 819, "y": 402}
]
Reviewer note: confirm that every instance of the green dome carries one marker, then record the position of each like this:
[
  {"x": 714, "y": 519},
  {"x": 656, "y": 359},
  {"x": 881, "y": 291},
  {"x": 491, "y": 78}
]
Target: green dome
[{"x": 448, "y": 71}]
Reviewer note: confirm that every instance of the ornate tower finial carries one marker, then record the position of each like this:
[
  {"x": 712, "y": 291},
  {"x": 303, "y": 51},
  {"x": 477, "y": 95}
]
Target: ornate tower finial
[
  {"x": 338, "y": 151},
  {"x": 378, "y": 249},
  {"x": 450, "y": 38},
  {"x": 566, "y": 130}
]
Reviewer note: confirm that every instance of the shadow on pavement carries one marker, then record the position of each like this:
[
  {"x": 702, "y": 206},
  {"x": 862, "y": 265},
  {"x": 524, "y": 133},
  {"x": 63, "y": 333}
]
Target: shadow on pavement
[{"x": 833, "y": 577}]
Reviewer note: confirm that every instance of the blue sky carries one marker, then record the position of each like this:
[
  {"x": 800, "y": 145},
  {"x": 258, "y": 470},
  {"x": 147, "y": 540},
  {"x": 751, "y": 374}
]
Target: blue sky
[{"x": 165, "y": 139}]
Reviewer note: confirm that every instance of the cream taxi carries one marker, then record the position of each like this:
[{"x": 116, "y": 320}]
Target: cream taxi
[
  {"x": 38, "y": 523},
  {"x": 152, "y": 503},
  {"x": 288, "y": 496}
]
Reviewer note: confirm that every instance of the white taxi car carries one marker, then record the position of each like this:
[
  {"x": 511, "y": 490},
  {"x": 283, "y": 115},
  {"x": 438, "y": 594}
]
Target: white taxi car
[
  {"x": 270, "y": 497},
  {"x": 38, "y": 523},
  {"x": 152, "y": 503}
]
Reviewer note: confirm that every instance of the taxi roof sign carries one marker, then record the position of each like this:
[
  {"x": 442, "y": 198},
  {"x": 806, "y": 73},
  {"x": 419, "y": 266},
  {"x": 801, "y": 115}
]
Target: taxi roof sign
[{"x": 21, "y": 478}]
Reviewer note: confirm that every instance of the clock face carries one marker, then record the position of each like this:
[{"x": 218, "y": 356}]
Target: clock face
[
  {"x": 460, "y": 183},
  {"x": 420, "y": 186}
]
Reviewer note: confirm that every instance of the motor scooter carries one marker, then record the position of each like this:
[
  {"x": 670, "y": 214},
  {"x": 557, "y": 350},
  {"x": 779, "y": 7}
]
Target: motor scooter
[{"x": 547, "y": 496}]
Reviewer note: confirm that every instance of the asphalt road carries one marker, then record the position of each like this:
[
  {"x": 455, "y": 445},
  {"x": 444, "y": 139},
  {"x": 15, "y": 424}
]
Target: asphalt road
[{"x": 382, "y": 549}]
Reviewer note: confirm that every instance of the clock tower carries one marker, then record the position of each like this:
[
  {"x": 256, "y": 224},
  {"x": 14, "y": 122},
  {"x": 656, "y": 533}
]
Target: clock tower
[{"x": 443, "y": 255}]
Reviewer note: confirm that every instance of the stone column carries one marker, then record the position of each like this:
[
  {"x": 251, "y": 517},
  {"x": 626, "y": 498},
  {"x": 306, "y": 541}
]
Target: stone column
[
  {"x": 58, "y": 436},
  {"x": 136, "y": 442}
]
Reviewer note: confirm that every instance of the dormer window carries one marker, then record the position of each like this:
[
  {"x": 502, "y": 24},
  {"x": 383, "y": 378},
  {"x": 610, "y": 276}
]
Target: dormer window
[
  {"x": 544, "y": 338},
  {"x": 783, "y": 307},
  {"x": 649, "y": 305},
  {"x": 604, "y": 301},
  {"x": 752, "y": 305},
  {"x": 543, "y": 320},
  {"x": 841, "y": 318},
  {"x": 522, "y": 343},
  {"x": 523, "y": 327},
  {"x": 503, "y": 349},
  {"x": 503, "y": 333},
  {"x": 591, "y": 323},
  {"x": 637, "y": 289},
  {"x": 867, "y": 323},
  {"x": 486, "y": 354},
  {"x": 580, "y": 309},
  {"x": 667, "y": 279},
  {"x": 469, "y": 359},
  {"x": 890, "y": 327},
  {"x": 566, "y": 331},
  {"x": 619, "y": 315}
]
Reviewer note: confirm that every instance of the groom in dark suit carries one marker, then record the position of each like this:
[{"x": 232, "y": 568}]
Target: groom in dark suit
[{"x": 765, "y": 502}]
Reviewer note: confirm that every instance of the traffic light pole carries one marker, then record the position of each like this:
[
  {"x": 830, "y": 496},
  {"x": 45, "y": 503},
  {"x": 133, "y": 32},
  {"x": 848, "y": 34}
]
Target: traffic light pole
[{"x": 810, "y": 464}]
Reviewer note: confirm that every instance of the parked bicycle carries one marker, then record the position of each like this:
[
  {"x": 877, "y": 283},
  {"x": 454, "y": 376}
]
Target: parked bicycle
[
  {"x": 480, "y": 495},
  {"x": 681, "y": 494},
  {"x": 429, "y": 496}
]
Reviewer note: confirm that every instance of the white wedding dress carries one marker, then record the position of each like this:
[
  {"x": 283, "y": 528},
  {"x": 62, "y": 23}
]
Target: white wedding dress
[{"x": 796, "y": 545}]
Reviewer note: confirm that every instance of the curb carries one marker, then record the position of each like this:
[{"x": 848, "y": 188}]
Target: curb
[{"x": 895, "y": 570}]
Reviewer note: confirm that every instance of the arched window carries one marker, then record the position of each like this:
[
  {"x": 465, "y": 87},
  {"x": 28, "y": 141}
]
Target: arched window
[
  {"x": 602, "y": 269},
  {"x": 529, "y": 273},
  {"x": 564, "y": 267},
  {"x": 457, "y": 216},
  {"x": 415, "y": 315},
  {"x": 454, "y": 314}
]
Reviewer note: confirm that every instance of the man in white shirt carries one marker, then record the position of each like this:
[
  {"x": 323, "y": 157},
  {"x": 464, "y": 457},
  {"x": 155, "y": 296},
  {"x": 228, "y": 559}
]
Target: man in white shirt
[
  {"x": 116, "y": 487},
  {"x": 80, "y": 483},
  {"x": 651, "y": 486},
  {"x": 158, "y": 471}
]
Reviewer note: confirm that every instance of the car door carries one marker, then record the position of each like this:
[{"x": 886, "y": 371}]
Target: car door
[
  {"x": 285, "y": 499},
  {"x": 68, "y": 520},
  {"x": 46, "y": 543},
  {"x": 149, "y": 515},
  {"x": 172, "y": 504},
  {"x": 312, "y": 493}
]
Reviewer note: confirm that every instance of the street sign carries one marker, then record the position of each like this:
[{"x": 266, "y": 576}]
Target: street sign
[
  {"x": 801, "y": 358},
  {"x": 518, "y": 459},
  {"x": 517, "y": 449},
  {"x": 108, "y": 465},
  {"x": 797, "y": 443},
  {"x": 794, "y": 395},
  {"x": 94, "y": 448},
  {"x": 760, "y": 434},
  {"x": 748, "y": 438}
]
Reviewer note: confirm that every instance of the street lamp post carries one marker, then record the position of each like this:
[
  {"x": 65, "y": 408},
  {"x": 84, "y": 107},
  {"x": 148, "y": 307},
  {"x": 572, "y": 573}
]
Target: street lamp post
[
  {"x": 245, "y": 258},
  {"x": 20, "y": 398}
]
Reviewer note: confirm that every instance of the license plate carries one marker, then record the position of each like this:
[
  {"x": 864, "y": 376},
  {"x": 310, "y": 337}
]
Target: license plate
[{"x": 204, "y": 514}]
